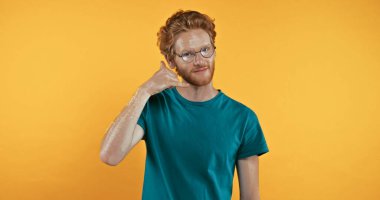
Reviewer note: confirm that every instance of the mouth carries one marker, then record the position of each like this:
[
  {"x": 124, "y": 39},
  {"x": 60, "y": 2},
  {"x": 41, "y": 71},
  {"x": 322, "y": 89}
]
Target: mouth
[{"x": 201, "y": 69}]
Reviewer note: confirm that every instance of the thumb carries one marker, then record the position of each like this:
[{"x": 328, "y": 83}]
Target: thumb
[{"x": 162, "y": 65}]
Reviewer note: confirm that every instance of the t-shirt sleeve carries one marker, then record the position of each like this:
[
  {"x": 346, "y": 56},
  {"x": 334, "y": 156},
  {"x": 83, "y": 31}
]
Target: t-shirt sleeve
[
  {"x": 142, "y": 120},
  {"x": 253, "y": 140}
]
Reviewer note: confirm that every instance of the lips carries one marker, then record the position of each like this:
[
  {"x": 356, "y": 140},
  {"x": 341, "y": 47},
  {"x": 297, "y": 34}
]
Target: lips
[{"x": 201, "y": 69}]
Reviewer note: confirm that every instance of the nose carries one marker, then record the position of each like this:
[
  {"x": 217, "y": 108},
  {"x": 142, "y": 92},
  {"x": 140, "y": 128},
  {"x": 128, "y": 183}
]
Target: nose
[{"x": 197, "y": 58}]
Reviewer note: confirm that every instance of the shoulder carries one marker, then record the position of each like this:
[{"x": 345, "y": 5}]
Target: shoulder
[{"x": 243, "y": 109}]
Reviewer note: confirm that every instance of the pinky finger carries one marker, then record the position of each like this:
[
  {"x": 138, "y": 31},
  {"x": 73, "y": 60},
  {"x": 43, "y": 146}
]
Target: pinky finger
[{"x": 179, "y": 84}]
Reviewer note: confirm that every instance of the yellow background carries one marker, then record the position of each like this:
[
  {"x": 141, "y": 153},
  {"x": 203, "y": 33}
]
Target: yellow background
[{"x": 309, "y": 69}]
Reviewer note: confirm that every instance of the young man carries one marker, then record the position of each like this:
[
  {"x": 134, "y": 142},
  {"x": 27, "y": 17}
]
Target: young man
[{"x": 195, "y": 134}]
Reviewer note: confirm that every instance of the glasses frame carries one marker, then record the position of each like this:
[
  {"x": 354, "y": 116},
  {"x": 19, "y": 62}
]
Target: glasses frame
[{"x": 194, "y": 53}]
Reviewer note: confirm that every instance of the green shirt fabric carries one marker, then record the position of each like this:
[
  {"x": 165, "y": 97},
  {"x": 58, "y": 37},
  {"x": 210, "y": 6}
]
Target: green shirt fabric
[{"x": 193, "y": 147}]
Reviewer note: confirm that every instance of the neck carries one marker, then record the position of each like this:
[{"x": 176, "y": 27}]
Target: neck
[{"x": 198, "y": 93}]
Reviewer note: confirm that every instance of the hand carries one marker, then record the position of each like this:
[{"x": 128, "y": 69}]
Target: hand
[{"x": 162, "y": 79}]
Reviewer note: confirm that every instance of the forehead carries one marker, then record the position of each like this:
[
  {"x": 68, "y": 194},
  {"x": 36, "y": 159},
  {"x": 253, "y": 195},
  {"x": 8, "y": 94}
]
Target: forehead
[{"x": 192, "y": 39}]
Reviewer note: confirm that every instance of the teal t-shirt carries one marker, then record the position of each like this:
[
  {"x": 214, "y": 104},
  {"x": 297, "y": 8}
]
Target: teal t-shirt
[{"x": 193, "y": 147}]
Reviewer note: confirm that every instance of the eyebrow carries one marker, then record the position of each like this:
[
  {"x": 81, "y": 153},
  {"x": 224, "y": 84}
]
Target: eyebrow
[{"x": 185, "y": 50}]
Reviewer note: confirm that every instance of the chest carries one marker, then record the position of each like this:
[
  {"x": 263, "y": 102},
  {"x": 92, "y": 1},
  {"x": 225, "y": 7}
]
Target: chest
[{"x": 196, "y": 134}]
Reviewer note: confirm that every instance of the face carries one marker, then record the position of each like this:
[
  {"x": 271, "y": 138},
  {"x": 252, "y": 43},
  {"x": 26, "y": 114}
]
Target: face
[{"x": 200, "y": 71}]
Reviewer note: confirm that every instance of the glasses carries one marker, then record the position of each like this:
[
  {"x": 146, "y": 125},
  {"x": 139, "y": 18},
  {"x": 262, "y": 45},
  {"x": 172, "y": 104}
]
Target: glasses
[{"x": 188, "y": 56}]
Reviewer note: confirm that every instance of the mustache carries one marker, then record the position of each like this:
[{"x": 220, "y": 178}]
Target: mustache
[{"x": 200, "y": 66}]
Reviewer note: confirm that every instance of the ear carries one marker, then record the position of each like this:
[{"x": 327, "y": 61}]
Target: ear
[
  {"x": 172, "y": 65},
  {"x": 170, "y": 62}
]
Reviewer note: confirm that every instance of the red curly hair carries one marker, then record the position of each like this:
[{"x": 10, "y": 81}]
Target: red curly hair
[{"x": 179, "y": 22}]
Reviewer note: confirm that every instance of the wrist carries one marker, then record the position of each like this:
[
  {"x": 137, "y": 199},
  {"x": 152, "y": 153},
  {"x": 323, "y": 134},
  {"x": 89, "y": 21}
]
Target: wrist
[{"x": 143, "y": 91}]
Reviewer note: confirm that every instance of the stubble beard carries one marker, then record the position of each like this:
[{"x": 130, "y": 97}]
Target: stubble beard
[{"x": 196, "y": 80}]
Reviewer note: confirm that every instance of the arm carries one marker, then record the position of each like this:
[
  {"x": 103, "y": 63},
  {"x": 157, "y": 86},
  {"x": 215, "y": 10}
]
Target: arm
[
  {"x": 124, "y": 133},
  {"x": 248, "y": 174}
]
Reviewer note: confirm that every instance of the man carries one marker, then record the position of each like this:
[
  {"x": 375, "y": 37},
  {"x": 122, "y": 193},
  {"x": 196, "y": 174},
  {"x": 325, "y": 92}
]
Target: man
[{"x": 195, "y": 134}]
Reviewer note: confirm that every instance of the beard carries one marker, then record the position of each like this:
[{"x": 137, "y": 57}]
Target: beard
[{"x": 201, "y": 79}]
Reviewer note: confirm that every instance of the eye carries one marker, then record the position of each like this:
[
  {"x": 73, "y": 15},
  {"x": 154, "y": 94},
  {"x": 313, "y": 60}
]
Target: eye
[
  {"x": 205, "y": 49},
  {"x": 185, "y": 54}
]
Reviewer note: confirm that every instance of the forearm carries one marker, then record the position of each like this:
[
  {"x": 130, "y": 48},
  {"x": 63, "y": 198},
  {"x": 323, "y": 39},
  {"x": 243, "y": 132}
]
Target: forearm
[
  {"x": 253, "y": 197},
  {"x": 118, "y": 138}
]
